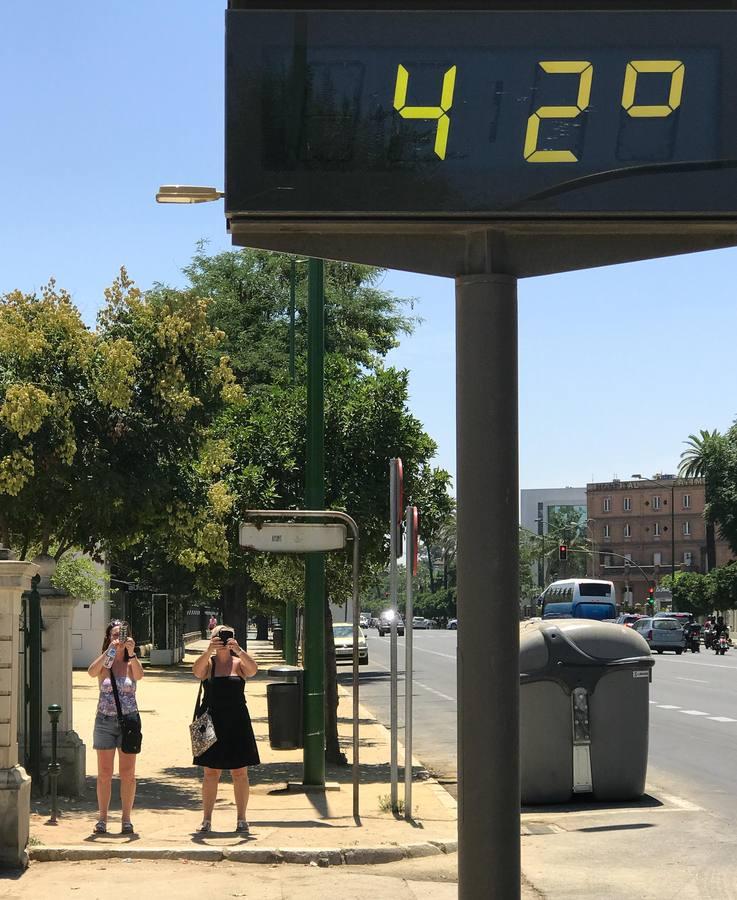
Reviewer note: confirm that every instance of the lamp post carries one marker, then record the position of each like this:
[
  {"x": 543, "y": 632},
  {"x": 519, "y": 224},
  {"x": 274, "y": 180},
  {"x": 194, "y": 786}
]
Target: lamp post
[
  {"x": 672, "y": 520},
  {"x": 592, "y": 523},
  {"x": 540, "y": 530}
]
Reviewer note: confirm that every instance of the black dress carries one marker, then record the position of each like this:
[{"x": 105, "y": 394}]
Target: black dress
[{"x": 236, "y": 745}]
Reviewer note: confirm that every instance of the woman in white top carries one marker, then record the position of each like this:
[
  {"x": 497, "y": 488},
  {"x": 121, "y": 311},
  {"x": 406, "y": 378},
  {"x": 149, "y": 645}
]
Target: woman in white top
[{"x": 124, "y": 667}]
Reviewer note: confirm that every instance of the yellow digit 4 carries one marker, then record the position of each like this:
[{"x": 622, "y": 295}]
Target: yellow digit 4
[
  {"x": 428, "y": 112},
  {"x": 677, "y": 73},
  {"x": 563, "y": 67}
]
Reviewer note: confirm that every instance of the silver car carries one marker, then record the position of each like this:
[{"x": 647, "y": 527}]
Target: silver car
[{"x": 662, "y": 633}]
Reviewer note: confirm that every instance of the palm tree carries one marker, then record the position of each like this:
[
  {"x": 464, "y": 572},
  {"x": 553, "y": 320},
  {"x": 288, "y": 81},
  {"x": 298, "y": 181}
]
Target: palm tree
[{"x": 695, "y": 463}]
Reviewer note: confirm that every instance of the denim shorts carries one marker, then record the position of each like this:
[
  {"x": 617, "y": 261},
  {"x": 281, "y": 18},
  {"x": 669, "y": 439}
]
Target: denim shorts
[{"x": 107, "y": 734}]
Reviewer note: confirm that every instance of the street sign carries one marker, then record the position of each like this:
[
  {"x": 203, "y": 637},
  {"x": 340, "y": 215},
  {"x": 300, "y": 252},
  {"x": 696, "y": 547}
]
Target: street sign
[{"x": 292, "y": 537}]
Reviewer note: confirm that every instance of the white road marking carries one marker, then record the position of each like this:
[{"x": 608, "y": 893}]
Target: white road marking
[
  {"x": 415, "y": 683},
  {"x": 721, "y": 719},
  {"x": 705, "y": 665},
  {"x": 667, "y": 706},
  {"x": 695, "y": 680},
  {"x": 434, "y": 652},
  {"x": 693, "y": 712}
]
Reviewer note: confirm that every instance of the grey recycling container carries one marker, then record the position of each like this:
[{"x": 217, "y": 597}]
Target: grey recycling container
[
  {"x": 284, "y": 704},
  {"x": 584, "y": 710}
]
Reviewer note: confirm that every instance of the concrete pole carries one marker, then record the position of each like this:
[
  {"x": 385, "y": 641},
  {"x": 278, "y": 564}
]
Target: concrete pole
[
  {"x": 488, "y": 588},
  {"x": 15, "y": 784}
]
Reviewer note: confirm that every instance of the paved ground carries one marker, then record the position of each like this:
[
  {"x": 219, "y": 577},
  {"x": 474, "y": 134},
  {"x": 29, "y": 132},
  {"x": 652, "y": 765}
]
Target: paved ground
[{"x": 167, "y": 809}]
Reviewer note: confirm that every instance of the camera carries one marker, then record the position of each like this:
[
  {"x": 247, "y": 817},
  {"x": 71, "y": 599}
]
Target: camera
[{"x": 225, "y": 635}]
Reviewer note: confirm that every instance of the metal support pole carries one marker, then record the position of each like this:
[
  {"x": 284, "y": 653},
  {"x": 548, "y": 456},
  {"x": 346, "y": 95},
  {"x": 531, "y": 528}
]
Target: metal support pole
[
  {"x": 314, "y": 651},
  {"x": 54, "y": 714},
  {"x": 393, "y": 673},
  {"x": 488, "y": 588},
  {"x": 409, "y": 536},
  {"x": 356, "y": 630},
  {"x": 290, "y": 607}
]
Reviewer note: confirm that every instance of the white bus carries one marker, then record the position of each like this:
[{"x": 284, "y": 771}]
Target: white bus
[{"x": 579, "y": 598}]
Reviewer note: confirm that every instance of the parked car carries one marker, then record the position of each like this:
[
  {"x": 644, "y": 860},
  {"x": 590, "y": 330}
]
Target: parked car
[
  {"x": 662, "y": 633},
  {"x": 419, "y": 622},
  {"x": 343, "y": 638},
  {"x": 628, "y": 619},
  {"x": 453, "y": 624},
  {"x": 385, "y": 623}
]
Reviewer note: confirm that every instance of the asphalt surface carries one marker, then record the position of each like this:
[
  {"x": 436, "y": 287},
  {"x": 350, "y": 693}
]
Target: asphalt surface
[
  {"x": 434, "y": 695},
  {"x": 693, "y": 715}
]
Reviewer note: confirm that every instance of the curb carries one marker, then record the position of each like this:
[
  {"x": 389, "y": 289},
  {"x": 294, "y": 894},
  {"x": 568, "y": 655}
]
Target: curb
[{"x": 302, "y": 856}]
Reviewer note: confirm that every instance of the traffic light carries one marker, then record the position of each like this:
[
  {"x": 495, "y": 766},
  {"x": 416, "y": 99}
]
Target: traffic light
[
  {"x": 562, "y": 552},
  {"x": 651, "y": 597}
]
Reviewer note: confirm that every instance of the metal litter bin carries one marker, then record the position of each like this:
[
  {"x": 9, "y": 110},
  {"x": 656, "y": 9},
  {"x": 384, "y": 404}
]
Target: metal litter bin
[
  {"x": 284, "y": 703},
  {"x": 584, "y": 710},
  {"x": 277, "y": 636}
]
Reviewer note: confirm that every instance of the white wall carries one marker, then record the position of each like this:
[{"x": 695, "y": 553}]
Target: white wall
[{"x": 88, "y": 631}]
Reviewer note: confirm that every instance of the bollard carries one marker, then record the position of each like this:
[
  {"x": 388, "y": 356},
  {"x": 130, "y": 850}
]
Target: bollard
[{"x": 54, "y": 714}]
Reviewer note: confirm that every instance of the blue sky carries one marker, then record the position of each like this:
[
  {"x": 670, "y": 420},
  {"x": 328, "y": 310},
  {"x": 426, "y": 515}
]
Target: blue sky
[{"x": 102, "y": 102}]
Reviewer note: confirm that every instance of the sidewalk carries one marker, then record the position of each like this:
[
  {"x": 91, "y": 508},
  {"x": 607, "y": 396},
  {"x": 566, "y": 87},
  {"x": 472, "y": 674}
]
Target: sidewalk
[{"x": 287, "y": 825}]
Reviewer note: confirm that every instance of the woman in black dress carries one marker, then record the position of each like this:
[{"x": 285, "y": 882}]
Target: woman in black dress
[{"x": 225, "y": 667}]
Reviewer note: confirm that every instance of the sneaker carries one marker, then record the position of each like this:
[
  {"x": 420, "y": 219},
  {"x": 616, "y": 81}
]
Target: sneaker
[
  {"x": 127, "y": 828},
  {"x": 205, "y": 828},
  {"x": 241, "y": 827},
  {"x": 100, "y": 827}
]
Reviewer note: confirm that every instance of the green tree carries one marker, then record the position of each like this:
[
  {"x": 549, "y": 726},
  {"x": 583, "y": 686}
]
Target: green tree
[
  {"x": 692, "y": 592},
  {"x": 704, "y": 451}
]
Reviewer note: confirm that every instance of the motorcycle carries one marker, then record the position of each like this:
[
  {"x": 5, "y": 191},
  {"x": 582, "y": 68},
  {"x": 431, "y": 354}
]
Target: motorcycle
[
  {"x": 721, "y": 645},
  {"x": 693, "y": 641},
  {"x": 708, "y": 638}
]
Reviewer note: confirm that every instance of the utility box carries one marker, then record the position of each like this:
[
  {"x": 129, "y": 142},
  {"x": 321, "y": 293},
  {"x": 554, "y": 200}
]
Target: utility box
[
  {"x": 584, "y": 710},
  {"x": 284, "y": 704}
]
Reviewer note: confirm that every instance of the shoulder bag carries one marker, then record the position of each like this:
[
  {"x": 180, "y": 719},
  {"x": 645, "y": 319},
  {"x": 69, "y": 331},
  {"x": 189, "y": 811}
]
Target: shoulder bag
[
  {"x": 202, "y": 729},
  {"x": 130, "y": 723}
]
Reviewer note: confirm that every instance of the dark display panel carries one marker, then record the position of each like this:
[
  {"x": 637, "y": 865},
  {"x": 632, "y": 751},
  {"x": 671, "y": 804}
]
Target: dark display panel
[{"x": 482, "y": 114}]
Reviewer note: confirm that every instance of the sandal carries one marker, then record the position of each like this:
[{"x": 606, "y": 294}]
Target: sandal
[
  {"x": 241, "y": 827},
  {"x": 100, "y": 827},
  {"x": 127, "y": 828},
  {"x": 205, "y": 828}
]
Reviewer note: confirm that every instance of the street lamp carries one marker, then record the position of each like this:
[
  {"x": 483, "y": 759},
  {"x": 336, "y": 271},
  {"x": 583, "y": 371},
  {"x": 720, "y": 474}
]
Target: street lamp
[
  {"x": 187, "y": 193},
  {"x": 672, "y": 521},
  {"x": 540, "y": 530},
  {"x": 592, "y": 522}
]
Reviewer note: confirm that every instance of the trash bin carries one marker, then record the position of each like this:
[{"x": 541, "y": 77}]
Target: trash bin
[
  {"x": 277, "y": 636},
  {"x": 584, "y": 710},
  {"x": 284, "y": 703}
]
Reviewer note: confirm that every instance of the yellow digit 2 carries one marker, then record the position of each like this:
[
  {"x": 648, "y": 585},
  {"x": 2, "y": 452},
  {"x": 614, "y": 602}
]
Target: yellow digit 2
[
  {"x": 568, "y": 67},
  {"x": 428, "y": 112},
  {"x": 677, "y": 72}
]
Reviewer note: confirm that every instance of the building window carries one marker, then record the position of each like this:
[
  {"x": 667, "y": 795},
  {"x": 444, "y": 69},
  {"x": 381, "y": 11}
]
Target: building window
[
  {"x": 656, "y": 529},
  {"x": 687, "y": 501},
  {"x": 657, "y": 559},
  {"x": 628, "y": 530},
  {"x": 656, "y": 502},
  {"x": 687, "y": 557},
  {"x": 687, "y": 528},
  {"x": 628, "y": 557},
  {"x": 607, "y": 504},
  {"x": 607, "y": 562},
  {"x": 607, "y": 533},
  {"x": 627, "y": 504}
]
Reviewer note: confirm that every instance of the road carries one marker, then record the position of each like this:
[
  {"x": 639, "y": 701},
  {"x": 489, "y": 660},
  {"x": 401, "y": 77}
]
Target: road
[{"x": 693, "y": 720}]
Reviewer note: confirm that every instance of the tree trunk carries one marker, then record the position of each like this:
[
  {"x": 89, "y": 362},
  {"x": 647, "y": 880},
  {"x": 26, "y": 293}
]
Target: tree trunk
[
  {"x": 262, "y": 628},
  {"x": 235, "y": 606},
  {"x": 711, "y": 547},
  {"x": 333, "y": 753},
  {"x": 430, "y": 570}
]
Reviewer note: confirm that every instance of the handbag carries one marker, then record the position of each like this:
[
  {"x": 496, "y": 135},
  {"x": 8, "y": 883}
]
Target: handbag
[
  {"x": 202, "y": 728},
  {"x": 130, "y": 724}
]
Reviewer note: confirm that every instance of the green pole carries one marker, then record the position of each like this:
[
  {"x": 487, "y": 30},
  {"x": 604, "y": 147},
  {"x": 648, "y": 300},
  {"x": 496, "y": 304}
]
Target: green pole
[
  {"x": 314, "y": 661},
  {"x": 35, "y": 681},
  {"x": 290, "y": 609}
]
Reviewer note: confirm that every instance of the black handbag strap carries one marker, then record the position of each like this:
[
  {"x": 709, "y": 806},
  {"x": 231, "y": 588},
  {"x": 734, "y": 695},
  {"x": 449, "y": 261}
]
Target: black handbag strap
[
  {"x": 208, "y": 694},
  {"x": 115, "y": 694}
]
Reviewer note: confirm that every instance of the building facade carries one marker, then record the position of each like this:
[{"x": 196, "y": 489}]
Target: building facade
[
  {"x": 641, "y": 530},
  {"x": 540, "y": 506}
]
